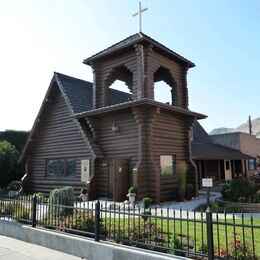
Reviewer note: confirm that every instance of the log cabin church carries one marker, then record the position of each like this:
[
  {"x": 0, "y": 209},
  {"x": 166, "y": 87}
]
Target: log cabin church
[{"x": 90, "y": 134}]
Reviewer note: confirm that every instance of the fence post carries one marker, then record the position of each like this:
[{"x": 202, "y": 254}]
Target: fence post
[
  {"x": 97, "y": 220},
  {"x": 210, "y": 234},
  {"x": 34, "y": 204}
]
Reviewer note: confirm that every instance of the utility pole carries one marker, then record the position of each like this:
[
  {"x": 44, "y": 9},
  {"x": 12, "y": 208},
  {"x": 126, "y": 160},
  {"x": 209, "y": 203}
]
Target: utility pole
[{"x": 250, "y": 125}]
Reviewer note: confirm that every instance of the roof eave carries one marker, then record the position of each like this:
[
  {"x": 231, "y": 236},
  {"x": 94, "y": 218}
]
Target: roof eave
[
  {"x": 143, "y": 101},
  {"x": 144, "y": 38}
]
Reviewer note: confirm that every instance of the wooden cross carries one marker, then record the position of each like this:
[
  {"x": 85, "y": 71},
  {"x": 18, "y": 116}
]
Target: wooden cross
[{"x": 139, "y": 13}]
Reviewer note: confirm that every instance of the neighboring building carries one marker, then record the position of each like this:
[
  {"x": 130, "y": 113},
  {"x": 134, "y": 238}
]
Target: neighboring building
[
  {"x": 110, "y": 140},
  {"x": 244, "y": 143},
  {"x": 221, "y": 157}
]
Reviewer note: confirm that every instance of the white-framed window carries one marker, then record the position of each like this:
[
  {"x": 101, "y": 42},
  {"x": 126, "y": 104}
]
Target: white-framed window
[{"x": 168, "y": 164}]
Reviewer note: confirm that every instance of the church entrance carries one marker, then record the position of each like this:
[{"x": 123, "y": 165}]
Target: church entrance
[{"x": 118, "y": 179}]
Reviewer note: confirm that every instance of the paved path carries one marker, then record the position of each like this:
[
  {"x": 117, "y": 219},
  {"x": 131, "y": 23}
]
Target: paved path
[{"x": 11, "y": 249}]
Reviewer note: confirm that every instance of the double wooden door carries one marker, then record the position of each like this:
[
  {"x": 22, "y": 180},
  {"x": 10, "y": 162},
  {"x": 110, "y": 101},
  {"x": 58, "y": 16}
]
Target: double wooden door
[{"x": 118, "y": 179}]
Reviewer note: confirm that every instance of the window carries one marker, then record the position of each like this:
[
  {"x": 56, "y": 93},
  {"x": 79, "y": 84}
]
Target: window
[
  {"x": 227, "y": 165},
  {"x": 251, "y": 164},
  {"x": 168, "y": 163},
  {"x": 61, "y": 168},
  {"x": 52, "y": 167}
]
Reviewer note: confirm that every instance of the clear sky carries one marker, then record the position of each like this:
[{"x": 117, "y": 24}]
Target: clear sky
[{"x": 38, "y": 37}]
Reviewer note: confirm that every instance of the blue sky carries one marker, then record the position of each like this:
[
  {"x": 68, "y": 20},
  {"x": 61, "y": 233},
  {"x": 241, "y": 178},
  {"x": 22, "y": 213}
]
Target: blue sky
[{"x": 221, "y": 37}]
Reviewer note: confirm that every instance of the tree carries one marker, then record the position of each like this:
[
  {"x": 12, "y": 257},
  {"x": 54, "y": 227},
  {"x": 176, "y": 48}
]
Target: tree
[
  {"x": 9, "y": 166},
  {"x": 16, "y": 138}
]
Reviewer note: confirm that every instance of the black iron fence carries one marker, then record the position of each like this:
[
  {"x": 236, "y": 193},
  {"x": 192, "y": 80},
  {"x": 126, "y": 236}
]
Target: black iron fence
[{"x": 192, "y": 234}]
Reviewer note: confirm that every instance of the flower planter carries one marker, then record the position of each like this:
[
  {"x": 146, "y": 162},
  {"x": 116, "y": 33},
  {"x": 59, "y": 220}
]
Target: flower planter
[
  {"x": 84, "y": 197},
  {"x": 245, "y": 207},
  {"x": 131, "y": 197}
]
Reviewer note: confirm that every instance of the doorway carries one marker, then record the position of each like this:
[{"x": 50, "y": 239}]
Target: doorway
[
  {"x": 228, "y": 172},
  {"x": 118, "y": 179}
]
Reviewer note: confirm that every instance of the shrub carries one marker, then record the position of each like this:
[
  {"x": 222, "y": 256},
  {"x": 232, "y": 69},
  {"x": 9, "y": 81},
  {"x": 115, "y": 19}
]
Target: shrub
[
  {"x": 83, "y": 190},
  {"x": 14, "y": 185},
  {"x": 86, "y": 222},
  {"x": 238, "y": 190},
  {"x": 181, "y": 170},
  {"x": 147, "y": 202},
  {"x": 62, "y": 196},
  {"x": 133, "y": 234},
  {"x": 132, "y": 190},
  {"x": 18, "y": 210}
]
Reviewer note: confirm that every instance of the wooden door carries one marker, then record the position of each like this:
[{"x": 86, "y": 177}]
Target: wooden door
[{"x": 121, "y": 177}]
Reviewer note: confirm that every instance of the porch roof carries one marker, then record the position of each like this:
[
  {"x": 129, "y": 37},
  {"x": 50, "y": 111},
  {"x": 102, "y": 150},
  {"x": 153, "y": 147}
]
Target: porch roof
[{"x": 210, "y": 151}]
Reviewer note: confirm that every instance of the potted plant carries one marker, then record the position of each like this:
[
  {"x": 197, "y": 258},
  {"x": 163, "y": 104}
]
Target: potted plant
[
  {"x": 84, "y": 194},
  {"x": 131, "y": 194},
  {"x": 181, "y": 171},
  {"x": 189, "y": 189}
]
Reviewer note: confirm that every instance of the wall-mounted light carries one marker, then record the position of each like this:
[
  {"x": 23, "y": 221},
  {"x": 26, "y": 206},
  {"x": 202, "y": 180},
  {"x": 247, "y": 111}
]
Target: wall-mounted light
[{"x": 115, "y": 128}]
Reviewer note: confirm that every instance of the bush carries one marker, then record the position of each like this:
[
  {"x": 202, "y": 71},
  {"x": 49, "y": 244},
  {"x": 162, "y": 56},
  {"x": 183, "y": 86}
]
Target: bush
[
  {"x": 147, "y": 202},
  {"x": 133, "y": 234},
  {"x": 239, "y": 190},
  {"x": 62, "y": 196},
  {"x": 18, "y": 210},
  {"x": 181, "y": 170},
  {"x": 14, "y": 185}
]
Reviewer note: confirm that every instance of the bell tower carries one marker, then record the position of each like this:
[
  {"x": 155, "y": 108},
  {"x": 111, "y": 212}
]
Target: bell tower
[{"x": 139, "y": 61}]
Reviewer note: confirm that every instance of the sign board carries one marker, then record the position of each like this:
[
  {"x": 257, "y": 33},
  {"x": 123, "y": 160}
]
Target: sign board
[
  {"x": 85, "y": 170},
  {"x": 207, "y": 182}
]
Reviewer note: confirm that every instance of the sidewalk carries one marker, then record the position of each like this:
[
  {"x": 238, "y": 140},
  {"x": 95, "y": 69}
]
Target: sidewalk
[{"x": 11, "y": 249}]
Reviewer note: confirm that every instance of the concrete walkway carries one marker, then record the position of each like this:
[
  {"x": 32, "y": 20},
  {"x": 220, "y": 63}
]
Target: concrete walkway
[{"x": 11, "y": 249}]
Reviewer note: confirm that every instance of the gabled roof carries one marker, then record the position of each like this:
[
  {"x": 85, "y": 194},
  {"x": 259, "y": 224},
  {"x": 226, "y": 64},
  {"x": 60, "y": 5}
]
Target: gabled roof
[
  {"x": 203, "y": 148},
  {"x": 79, "y": 93},
  {"x": 200, "y": 135},
  {"x": 78, "y": 96},
  {"x": 133, "y": 39}
]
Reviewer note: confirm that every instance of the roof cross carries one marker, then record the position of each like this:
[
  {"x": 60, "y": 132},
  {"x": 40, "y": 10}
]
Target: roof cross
[{"x": 139, "y": 13}]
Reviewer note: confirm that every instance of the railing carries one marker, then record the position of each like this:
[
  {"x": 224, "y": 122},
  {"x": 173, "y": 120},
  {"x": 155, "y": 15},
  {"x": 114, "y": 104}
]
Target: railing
[{"x": 191, "y": 234}]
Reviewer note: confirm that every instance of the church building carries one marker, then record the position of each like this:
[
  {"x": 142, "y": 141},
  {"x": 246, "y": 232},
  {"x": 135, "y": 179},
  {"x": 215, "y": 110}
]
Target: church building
[{"x": 90, "y": 134}]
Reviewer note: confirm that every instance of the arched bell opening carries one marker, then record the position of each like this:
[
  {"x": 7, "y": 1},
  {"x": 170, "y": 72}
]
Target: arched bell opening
[
  {"x": 164, "y": 87},
  {"x": 119, "y": 86}
]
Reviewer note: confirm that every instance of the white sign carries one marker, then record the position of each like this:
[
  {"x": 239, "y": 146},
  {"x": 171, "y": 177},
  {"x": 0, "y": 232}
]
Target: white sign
[
  {"x": 207, "y": 182},
  {"x": 85, "y": 170}
]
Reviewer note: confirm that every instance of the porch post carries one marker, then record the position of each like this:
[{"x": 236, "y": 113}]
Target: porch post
[{"x": 219, "y": 172}]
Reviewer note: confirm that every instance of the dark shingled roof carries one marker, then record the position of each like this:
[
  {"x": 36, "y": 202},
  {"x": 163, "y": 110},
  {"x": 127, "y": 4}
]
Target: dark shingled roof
[
  {"x": 216, "y": 152},
  {"x": 203, "y": 147},
  {"x": 133, "y": 39},
  {"x": 79, "y": 93},
  {"x": 200, "y": 135}
]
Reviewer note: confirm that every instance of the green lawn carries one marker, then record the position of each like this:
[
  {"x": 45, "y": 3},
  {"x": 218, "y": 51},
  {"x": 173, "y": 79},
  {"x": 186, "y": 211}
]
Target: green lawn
[{"x": 224, "y": 235}]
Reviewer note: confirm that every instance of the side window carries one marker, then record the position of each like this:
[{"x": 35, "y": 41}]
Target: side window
[
  {"x": 71, "y": 168},
  {"x": 251, "y": 165},
  {"x": 61, "y": 168},
  {"x": 51, "y": 168},
  {"x": 168, "y": 164}
]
